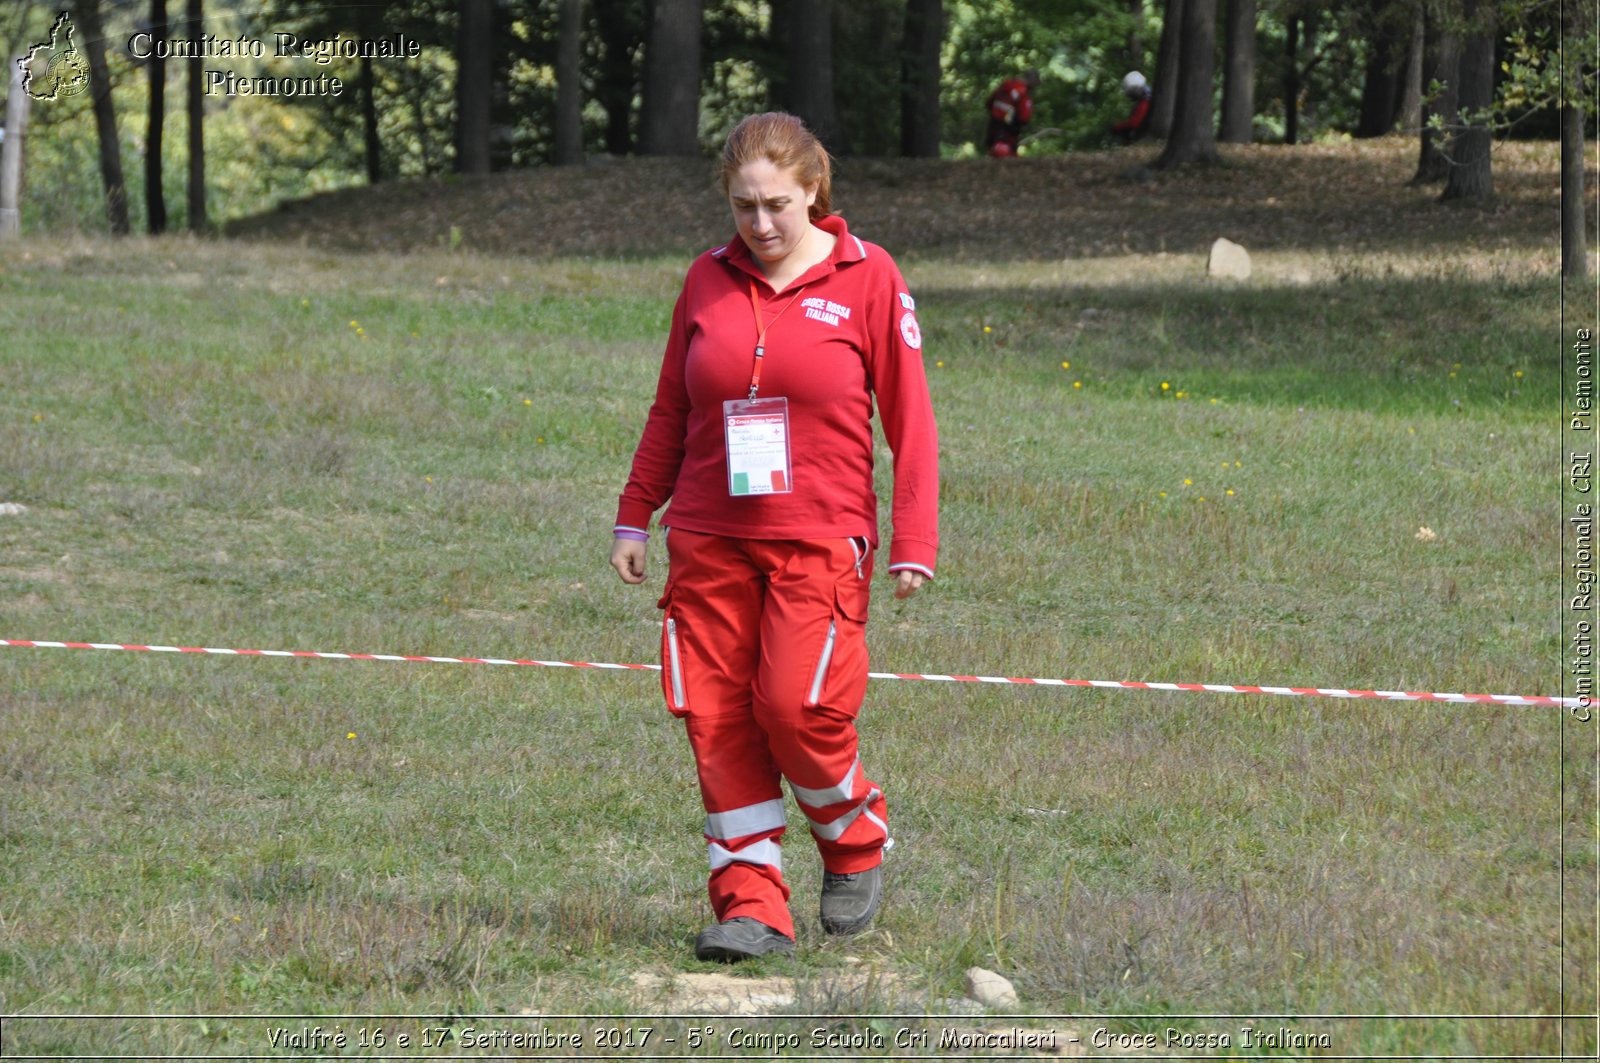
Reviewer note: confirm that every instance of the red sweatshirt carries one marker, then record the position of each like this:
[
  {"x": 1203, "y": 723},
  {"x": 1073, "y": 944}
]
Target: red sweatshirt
[
  {"x": 1012, "y": 103},
  {"x": 1136, "y": 119},
  {"x": 851, "y": 334}
]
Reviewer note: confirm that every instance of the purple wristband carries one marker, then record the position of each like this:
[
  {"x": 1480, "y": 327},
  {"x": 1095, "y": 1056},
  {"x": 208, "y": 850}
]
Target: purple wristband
[{"x": 629, "y": 533}]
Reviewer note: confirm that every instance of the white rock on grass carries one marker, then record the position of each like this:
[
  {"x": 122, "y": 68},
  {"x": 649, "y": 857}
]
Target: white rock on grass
[
  {"x": 990, "y": 989},
  {"x": 1228, "y": 260},
  {"x": 12, "y": 509}
]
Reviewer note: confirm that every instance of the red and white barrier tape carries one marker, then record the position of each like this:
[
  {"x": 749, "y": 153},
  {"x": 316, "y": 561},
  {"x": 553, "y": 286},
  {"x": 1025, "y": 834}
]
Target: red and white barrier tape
[{"x": 1109, "y": 684}]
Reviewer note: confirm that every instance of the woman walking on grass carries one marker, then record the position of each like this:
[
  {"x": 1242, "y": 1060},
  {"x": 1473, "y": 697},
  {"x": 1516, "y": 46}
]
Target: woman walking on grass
[{"x": 761, "y": 436}]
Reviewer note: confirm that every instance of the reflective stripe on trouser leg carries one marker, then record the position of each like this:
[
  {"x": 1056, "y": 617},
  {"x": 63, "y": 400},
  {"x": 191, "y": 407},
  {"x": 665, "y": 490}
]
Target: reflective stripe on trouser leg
[
  {"x": 828, "y": 795},
  {"x": 848, "y": 821},
  {"x": 743, "y": 822},
  {"x": 729, "y": 835},
  {"x": 762, "y": 853},
  {"x": 833, "y": 831}
]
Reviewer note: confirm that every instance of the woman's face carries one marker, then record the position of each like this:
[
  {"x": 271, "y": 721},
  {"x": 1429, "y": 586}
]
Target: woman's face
[{"x": 771, "y": 209}]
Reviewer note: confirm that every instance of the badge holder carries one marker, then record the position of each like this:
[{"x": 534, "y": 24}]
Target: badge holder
[{"x": 757, "y": 434}]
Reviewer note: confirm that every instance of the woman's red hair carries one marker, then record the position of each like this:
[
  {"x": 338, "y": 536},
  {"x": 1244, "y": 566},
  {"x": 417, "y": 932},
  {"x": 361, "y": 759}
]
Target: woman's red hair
[{"x": 783, "y": 140}]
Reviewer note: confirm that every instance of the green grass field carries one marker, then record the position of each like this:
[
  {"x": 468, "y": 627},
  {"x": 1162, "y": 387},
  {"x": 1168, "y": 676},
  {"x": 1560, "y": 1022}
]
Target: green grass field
[{"x": 1145, "y": 476}]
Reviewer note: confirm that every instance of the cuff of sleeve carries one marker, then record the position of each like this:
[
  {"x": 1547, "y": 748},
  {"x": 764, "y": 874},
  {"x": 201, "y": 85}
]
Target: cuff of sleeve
[
  {"x": 633, "y": 515},
  {"x": 638, "y": 535},
  {"x": 913, "y": 554}
]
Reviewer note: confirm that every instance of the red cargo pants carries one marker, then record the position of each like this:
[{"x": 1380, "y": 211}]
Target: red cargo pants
[{"x": 764, "y": 656}]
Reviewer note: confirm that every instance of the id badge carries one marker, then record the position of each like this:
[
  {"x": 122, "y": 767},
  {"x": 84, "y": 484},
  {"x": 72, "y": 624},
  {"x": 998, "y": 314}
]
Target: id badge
[{"x": 757, "y": 433}]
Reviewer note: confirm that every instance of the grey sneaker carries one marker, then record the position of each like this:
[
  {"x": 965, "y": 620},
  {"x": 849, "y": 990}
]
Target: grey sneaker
[
  {"x": 850, "y": 901},
  {"x": 739, "y": 939}
]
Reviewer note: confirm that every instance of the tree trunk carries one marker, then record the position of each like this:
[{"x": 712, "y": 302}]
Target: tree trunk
[
  {"x": 195, "y": 18},
  {"x": 868, "y": 40},
  {"x": 1168, "y": 62},
  {"x": 620, "y": 38},
  {"x": 105, "y": 115},
  {"x": 371, "y": 146},
  {"x": 1239, "y": 73},
  {"x": 779, "y": 38},
  {"x": 155, "y": 199},
  {"x": 1135, "y": 38},
  {"x": 1441, "y": 61},
  {"x": 1470, "y": 175},
  {"x": 569, "y": 89},
  {"x": 809, "y": 85},
  {"x": 502, "y": 120},
  {"x": 474, "y": 85},
  {"x": 669, "y": 120},
  {"x": 1574, "y": 238},
  {"x": 1291, "y": 81},
  {"x": 1378, "y": 86},
  {"x": 1408, "y": 115},
  {"x": 919, "y": 79},
  {"x": 1192, "y": 139},
  {"x": 17, "y": 103}
]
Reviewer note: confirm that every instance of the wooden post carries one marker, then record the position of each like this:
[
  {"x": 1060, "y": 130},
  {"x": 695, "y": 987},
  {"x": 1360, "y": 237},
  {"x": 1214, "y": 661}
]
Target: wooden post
[{"x": 11, "y": 152}]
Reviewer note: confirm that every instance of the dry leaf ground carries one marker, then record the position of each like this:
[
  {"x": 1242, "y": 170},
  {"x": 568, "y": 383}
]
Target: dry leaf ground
[{"x": 1350, "y": 196}]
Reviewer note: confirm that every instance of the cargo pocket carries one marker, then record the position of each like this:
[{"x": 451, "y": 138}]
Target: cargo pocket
[
  {"x": 840, "y": 677},
  {"x": 673, "y": 687}
]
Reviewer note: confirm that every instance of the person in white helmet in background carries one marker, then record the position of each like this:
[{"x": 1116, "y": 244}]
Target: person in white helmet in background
[{"x": 1137, "y": 89}]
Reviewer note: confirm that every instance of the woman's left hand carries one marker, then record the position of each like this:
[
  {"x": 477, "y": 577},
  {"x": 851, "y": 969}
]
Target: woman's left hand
[{"x": 907, "y": 582}]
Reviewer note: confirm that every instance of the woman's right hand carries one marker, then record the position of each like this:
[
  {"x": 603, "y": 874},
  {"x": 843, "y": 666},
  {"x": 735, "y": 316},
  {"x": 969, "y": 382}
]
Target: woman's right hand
[{"x": 627, "y": 557}]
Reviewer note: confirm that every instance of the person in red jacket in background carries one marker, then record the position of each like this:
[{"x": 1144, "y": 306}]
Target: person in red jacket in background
[
  {"x": 1137, "y": 89},
  {"x": 1010, "y": 108},
  {"x": 782, "y": 342}
]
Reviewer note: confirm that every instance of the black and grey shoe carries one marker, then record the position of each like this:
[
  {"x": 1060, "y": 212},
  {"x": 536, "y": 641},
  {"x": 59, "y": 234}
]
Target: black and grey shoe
[
  {"x": 738, "y": 939},
  {"x": 850, "y": 901}
]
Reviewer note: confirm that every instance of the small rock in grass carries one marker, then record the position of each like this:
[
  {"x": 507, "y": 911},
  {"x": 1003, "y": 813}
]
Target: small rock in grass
[
  {"x": 12, "y": 509},
  {"x": 1228, "y": 260},
  {"x": 990, "y": 989}
]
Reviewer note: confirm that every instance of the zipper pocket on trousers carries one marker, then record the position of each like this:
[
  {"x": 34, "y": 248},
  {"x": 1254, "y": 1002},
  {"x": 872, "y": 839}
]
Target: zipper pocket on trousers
[
  {"x": 822, "y": 666},
  {"x": 674, "y": 664}
]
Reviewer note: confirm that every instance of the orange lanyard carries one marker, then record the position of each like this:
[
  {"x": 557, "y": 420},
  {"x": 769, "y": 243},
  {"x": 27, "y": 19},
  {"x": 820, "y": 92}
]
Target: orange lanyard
[{"x": 761, "y": 332}]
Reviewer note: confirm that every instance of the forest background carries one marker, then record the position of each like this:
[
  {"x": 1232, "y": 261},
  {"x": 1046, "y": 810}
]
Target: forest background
[{"x": 507, "y": 84}]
